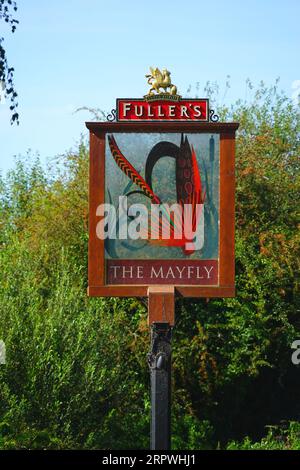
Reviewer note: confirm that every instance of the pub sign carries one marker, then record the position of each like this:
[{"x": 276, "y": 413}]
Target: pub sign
[{"x": 161, "y": 196}]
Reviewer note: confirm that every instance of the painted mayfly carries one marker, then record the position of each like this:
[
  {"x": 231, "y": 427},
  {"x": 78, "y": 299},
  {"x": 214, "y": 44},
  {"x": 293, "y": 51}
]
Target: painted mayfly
[{"x": 182, "y": 224}]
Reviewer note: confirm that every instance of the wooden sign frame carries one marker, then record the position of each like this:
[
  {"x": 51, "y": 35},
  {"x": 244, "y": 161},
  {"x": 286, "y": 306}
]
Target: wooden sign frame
[{"x": 96, "y": 270}]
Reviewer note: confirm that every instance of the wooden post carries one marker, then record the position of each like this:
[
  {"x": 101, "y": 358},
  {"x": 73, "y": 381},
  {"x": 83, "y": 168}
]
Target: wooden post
[{"x": 161, "y": 318}]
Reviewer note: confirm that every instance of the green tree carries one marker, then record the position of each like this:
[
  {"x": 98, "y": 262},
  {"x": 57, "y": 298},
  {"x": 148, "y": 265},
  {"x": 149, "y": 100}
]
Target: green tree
[{"x": 76, "y": 373}]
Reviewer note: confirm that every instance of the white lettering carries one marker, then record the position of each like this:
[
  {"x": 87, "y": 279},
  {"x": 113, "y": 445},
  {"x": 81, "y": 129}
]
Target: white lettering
[
  {"x": 106, "y": 228},
  {"x": 208, "y": 271},
  {"x": 180, "y": 271},
  {"x": 170, "y": 273},
  {"x": 190, "y": 271},
  {"x": 199, "y": 273},
  {"x": 138, "y": 228},
  {"x": 160, "y": 114},
  {"x": 296, "y": 354},
  {"x": 172, "y": 111},
  {"x": 138, "y": 110},
  {"x": 123, "y": 226},
  {"x": 115, "y": 268},
  {"x": 126, "y": 108},
  {"x": 197, "y": 110},
  {"x": 156, "y": 274},
  {"x": 140, "y": 272},
  {"x": 184, "y": 111}
]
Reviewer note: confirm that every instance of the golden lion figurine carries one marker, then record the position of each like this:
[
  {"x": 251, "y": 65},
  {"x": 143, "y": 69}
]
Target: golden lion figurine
[{"x": 160, "y": 79}]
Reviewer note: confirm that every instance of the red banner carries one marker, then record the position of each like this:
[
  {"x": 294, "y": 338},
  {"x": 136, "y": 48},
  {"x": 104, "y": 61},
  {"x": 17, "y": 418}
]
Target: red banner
[{"x": 162, "y": 110}]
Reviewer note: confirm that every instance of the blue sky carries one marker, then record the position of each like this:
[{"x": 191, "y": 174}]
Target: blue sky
[{"x": 73, "y": 53}]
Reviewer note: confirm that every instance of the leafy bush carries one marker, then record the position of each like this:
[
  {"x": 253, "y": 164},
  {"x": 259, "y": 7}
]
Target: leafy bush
[
  {"x": 76, "y": 373},
  {"x": 278, "y": 438}
]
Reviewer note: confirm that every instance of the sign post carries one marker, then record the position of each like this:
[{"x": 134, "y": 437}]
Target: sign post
[
  {"x": 161, "y": 306},
  {"x": 161, "y": 215}
]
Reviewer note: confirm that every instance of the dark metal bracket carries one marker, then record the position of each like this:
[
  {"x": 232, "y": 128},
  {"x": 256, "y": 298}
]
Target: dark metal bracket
[
  {"x": 213, "y": 117},
  {"x": 112, "y": 116},
  {"x": 160, "y": 351}
]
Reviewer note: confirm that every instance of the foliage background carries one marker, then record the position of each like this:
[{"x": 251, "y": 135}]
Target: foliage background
[{"x": 76, "y": 373}]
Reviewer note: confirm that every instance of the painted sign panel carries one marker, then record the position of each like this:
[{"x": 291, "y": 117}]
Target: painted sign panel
[
  {"x": 161, "y": 223},
  {"x": 161, "y": 208}
]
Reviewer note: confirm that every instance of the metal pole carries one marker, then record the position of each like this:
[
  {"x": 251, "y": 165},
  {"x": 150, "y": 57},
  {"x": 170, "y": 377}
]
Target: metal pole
[{"x": 159, "y": 360}]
